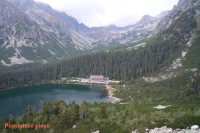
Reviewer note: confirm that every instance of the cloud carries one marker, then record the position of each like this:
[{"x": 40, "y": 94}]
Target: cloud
[{"x": 105, "y": 12}]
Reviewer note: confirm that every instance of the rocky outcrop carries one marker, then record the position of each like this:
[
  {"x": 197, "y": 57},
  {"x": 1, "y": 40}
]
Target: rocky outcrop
[
  {"x": 22, "y": 40},
  {"x": 81, "y": 36},
  {"x": 170, "y": 130},
  {"x": 164, "y": 129},
  {"x": 182, "y": 6}
]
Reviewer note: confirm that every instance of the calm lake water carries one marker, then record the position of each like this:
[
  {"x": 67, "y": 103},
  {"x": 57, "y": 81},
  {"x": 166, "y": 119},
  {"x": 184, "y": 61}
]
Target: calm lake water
[{"x": 16, "y": 100}]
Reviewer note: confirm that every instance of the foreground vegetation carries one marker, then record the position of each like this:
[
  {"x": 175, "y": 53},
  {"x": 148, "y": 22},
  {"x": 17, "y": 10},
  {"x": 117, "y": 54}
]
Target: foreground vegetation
[{"x": 106, "y": 117}]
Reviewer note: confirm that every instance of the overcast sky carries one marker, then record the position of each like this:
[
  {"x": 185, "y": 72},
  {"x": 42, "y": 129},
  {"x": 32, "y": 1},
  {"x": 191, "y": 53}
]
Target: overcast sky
[{"x": 106, "y": 12}]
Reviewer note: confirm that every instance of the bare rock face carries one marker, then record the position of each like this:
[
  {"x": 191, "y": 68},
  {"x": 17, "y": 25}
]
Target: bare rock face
[
  {"x": 22, "y": 40},
  {"x": 16, "y": 24},
  {"x": 83, "y": 37},
  {"x": 181, "y": 7},
  {"x": 65, "y": 27},
  {"x": 182, "y": 4}
]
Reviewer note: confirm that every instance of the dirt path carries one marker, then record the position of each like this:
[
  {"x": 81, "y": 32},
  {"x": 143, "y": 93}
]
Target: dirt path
[{"x": 110, "y": 94}]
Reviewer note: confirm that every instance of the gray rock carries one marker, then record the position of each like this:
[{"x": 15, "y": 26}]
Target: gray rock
[{"x": 195, "y": 127}]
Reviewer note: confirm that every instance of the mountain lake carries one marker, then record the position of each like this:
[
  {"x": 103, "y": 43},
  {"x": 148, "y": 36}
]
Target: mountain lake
[{"x": 15, "y": 101}]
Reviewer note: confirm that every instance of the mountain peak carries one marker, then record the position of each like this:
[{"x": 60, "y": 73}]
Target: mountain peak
[{"x": 146, "y": 17}]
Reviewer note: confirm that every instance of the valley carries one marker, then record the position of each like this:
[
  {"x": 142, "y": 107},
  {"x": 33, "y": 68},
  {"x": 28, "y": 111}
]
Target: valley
[
  {"x": 156, "y": 60},
  {"x": 57, "y": 35}
]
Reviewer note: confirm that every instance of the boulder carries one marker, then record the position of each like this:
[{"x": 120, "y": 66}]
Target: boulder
[
  {"x": 195, "y": 127},
  {"x": 96, "y": 131}
]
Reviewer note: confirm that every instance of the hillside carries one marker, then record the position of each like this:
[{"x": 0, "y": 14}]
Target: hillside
[{"x": 23, "y": 41}]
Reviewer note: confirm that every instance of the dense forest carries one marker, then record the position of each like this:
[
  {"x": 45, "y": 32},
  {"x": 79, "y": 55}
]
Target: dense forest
[{"x": 123, "y": 65}]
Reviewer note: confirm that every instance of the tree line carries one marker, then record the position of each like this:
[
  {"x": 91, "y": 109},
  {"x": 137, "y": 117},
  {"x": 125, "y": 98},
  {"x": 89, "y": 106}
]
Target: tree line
[{"x": 121, "y": 65}]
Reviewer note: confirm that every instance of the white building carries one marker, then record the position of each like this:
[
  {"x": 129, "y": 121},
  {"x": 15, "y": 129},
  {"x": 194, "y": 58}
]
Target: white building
[
  {"x": 63, "y": 79},
  {"x": 98, "y": 79}
]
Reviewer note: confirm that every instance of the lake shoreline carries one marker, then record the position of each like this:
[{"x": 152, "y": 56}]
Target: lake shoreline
[
  {"x": 16, "y": 100},
  {"x": 107, "y": 87},
  {"x": 12, "y": 88},
  {"x": 112, "y": 98}
]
